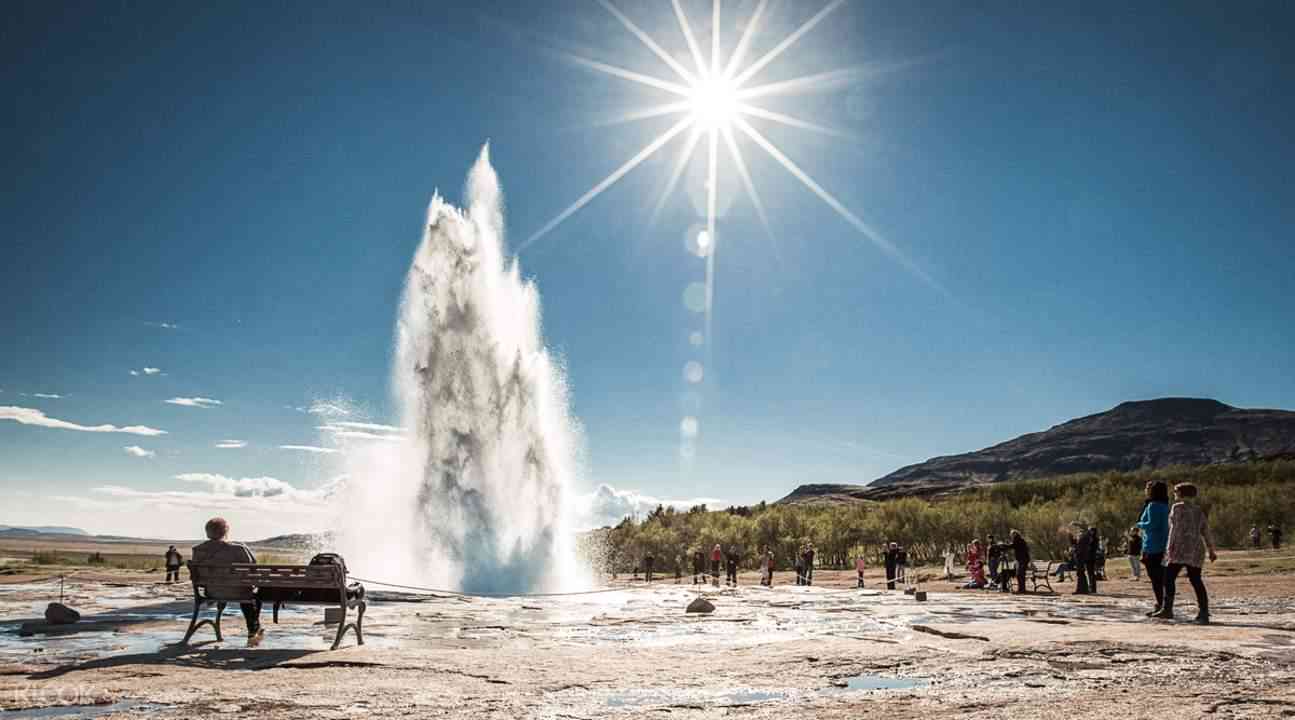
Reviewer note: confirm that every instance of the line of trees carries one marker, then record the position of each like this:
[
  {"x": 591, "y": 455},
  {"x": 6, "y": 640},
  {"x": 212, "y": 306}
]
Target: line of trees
[{"x": 1235, "y": 497}]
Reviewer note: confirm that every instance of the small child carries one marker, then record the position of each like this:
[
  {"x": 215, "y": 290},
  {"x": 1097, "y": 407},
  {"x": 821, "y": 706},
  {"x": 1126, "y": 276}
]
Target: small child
[{"x": 858, "y": 566}]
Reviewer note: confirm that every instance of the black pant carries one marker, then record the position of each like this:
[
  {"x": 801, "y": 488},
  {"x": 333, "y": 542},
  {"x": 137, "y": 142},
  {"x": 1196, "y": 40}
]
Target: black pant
[
  {"x": 890, "y": 577},
  {"x": 1154, "y": 563},
  {"x": 647, "y": 571},
  {"x": 809, "y": 573},
  {"x": 714, "y": 570},
  {"x": 731, "y": 573},
  {"x": 173, "y": 574},
  {"x": 1020, "y": 576},
  {"x": 1092, "y": 575},
  {"x": 252, "y": 614},
  {"x": 1194, "y": 577}
]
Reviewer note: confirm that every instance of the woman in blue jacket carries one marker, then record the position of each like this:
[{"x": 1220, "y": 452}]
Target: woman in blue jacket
[{"x": 1155, "y": 536}]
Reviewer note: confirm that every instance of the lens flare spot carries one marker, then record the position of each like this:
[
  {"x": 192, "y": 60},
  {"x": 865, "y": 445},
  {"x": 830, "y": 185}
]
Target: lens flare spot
[
  {"x": 689, "y": 427},
  {"x": 692, "y": 372}
]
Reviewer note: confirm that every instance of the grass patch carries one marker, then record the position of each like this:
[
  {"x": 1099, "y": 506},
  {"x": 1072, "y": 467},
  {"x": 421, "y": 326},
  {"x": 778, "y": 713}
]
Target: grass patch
[{"x": 129, "y": 561}]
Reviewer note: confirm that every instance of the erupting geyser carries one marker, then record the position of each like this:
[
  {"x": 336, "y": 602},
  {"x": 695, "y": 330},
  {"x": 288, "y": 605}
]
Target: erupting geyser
[{"x": 472, "y": 496}]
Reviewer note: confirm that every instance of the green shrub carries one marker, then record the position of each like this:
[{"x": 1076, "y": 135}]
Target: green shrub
[{"x": 1236, "y": 498}]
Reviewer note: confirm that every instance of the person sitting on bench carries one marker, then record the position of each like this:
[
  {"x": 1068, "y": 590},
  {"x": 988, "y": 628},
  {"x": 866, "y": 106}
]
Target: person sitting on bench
[{"x": 218, "y": 552}]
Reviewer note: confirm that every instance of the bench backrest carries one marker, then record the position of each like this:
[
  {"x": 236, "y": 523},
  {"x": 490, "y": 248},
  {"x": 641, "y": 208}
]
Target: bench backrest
[{"x": 232, "y": 581}]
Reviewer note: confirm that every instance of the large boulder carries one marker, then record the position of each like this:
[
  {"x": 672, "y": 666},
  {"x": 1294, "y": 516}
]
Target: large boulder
[
  {"x": 701, "y": 605},
  {"x": 60, "y": 614}
]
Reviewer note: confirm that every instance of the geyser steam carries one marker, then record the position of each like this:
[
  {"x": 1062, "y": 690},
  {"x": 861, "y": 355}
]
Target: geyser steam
[{"x": 472, "y": 496}]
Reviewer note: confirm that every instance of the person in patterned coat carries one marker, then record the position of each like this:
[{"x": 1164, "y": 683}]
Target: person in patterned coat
[{"x": 1189, "y": 540}]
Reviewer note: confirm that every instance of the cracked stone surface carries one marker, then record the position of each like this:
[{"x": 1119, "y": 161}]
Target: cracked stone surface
[{"x": 823, "y": 652}]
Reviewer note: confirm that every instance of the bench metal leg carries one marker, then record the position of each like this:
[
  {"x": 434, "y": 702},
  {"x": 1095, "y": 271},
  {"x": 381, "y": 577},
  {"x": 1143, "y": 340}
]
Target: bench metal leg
[
  {"x": 195, "y": 624},
  {"x": 341, "y": 628},
  {"x": 359, "y": 623},
  {"x": 220, "y": 611}
]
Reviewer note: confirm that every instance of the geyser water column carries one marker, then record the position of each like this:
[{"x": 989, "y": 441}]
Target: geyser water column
[{"x": 475, "y": 494}]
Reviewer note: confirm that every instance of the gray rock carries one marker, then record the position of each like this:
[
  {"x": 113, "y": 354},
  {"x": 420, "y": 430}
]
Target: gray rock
[
  {"x": 701, "y": 605},
  {"x": 60, "y": 614}
]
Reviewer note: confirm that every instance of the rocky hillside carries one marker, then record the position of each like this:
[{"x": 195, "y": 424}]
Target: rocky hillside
[{"x": 1131, "y": 436}]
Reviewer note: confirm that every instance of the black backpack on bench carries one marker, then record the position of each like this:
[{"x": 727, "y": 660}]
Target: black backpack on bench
[{"x": 314, "y": 595}]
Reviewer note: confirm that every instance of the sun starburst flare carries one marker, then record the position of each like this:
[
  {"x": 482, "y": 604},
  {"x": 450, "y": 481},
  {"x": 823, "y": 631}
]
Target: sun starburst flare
[{"x": 715, "y": 99}]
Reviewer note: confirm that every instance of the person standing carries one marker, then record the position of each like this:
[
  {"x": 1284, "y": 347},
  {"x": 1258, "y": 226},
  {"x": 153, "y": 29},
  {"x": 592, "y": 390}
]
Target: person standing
[
  {"x": 809, "y": 564},
  {"x": 716, "y": 557},
  {"x": 698, "y": 566},
  {"x": 648, "y": 563},
  {"x": 1083, "y": 545},
  {"x": 1189, "y": 540},
  {"x": 1021, "y": 553},
  {"x": 1276, "y": 534},
  {"x": 173, "y": 561},
  {"x": 731, "y": 561},
  {"x": 1094, "y": 554},
  {"x": 1134, "y": 552},
  {"x": 769, "y": 575},
  {"x": 1256, "y": 538},
  {"x": 1154, "y": 525},
  {"x": 891, "y": 560},
  {"x": 995, "y": 557},
  {"x": 975, "y": 565},
  {"x": 858, "y": 567},
  {"x": 800, "y": 567}
]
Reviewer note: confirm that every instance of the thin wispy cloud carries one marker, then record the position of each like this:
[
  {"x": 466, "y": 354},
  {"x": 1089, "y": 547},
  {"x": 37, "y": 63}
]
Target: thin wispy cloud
[
  {"x": 231, "y": 444},
  {"x": 365, "y": 426},
  {"x": 32, "y": 416},
  {"x": 309, "y": 448},
  {"x": 146, "y": 371},
  {"x": 163, "y": 325},
  {"x": 198, "y": 402},
  {"x": 328, "y": 408},
  {"x": 46, "y": 396},
  {"x": 139, "y": 452},
  {"x": 348, "y": 430}
]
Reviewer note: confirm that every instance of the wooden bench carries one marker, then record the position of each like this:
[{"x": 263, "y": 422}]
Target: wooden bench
[
  {"x": 276, "y": 584},
  {"x": 1041, "y": 577}
]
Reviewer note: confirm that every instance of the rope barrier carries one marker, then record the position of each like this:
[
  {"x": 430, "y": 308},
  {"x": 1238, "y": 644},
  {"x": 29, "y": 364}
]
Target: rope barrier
[{"x": 458, "y": 593}]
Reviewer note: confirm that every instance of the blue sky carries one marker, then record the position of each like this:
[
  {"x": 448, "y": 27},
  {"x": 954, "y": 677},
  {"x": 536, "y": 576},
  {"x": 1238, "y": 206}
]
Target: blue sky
[{"x": 231, "y": 194}]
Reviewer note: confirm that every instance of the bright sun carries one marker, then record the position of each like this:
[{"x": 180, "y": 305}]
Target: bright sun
[
  {"x": 713, "y": 102},
  {"x": 715, "y": 98}
]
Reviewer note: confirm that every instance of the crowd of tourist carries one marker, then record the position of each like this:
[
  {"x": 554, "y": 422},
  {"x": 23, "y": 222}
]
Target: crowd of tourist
[{"x": 1166, "y": 542}]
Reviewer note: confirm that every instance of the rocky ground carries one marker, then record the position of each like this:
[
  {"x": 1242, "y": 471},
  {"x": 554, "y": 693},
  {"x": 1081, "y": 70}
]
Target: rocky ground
[{"x": 825, "y": 652}]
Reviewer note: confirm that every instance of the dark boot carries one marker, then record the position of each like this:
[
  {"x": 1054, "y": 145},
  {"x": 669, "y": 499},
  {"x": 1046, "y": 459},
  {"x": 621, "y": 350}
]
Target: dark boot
[{"x": 1166, "y": 612}]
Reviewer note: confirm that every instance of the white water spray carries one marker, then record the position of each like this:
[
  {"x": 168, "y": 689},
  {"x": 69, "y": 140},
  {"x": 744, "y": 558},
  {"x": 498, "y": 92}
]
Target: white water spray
[{"x": 474, "y": 495}]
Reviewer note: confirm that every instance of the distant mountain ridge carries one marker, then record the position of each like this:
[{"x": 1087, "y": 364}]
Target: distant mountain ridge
[
  {"x": 19, "y": 530},
  {"x": 1143, "y": 434}
]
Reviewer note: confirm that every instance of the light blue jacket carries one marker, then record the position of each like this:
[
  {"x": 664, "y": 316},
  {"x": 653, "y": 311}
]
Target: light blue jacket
[{"x": 1155, "y": 527}]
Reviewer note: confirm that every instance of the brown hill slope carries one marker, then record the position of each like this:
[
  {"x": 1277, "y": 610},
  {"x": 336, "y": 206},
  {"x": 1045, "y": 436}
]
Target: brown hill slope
[{"x": 1131, "y": 436}]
